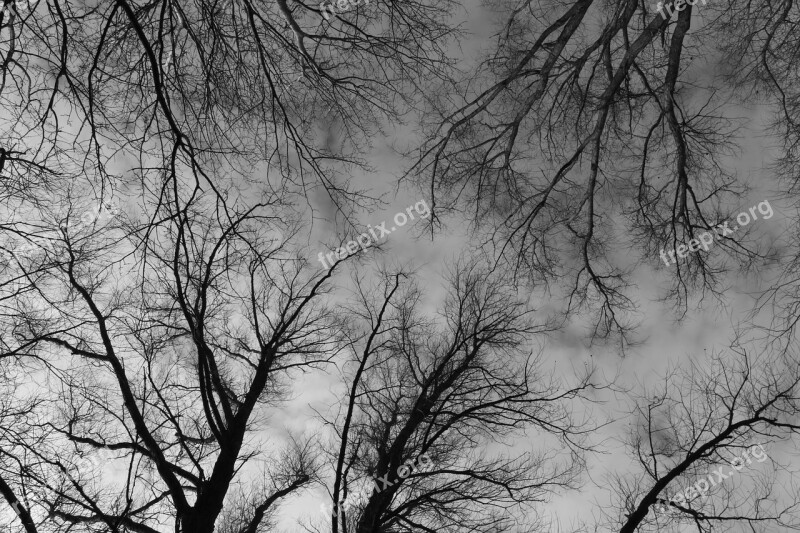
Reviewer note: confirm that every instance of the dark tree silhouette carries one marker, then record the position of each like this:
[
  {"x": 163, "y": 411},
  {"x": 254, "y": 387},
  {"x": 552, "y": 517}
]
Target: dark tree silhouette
[
  {"x": 593, "y": 131},
  {"x": 163, "y": 345},
  {"x": 166, "y": 335},
  {"x": 446, "y": 389},
  {"x": 692, "y": 429}
]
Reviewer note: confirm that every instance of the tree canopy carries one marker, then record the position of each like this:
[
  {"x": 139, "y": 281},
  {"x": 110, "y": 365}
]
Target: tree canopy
[{"x": 173, "y": 358}]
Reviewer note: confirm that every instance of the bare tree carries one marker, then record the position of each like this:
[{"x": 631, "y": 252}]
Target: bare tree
[
  {"x": 141, "y": 354},
  {"x": 589, "y": 121},
  {"x": 428, "y": 398},
  {"x": 165, "y": 346},
  {"x": 13, "y": 486},
  {"x": 166, "y": 336},
  {"x": 692, "y": 437},
  {"x": 198, "y": 89}
]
